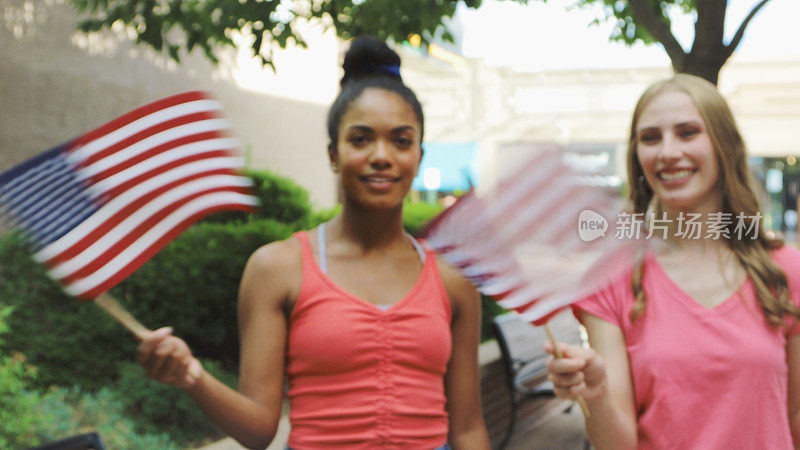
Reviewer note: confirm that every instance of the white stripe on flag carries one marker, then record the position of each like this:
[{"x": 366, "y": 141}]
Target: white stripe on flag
[
  {"x": 70, "y": 218},
  {"x": 119, "y": 157},
  {"x": 152, "y": 235},
  {"x": 130, "y": 222},
  {"x": 142, "y": 124},
  {"x": 121, "y": 201},
  {"x": 162, "y": 159}
]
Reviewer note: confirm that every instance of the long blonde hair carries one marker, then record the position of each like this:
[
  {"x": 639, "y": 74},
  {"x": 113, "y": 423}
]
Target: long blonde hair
[{"x": 738, "y": 197}]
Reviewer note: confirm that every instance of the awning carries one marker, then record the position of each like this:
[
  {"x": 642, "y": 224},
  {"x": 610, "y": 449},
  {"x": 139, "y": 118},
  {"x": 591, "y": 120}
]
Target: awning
[{"x": 447, "y": 167}]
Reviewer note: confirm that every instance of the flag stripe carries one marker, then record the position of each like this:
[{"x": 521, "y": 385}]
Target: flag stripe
[
  {"x": 154, "y": 130},
  {"x": 114, "y": 213},
  {"x": 154, "y": 240},
  {"x": 134, "y": 204},
  {"x": 129, "y": 176},
  {"x": 140, "y": 119},
  {"x": 134, "y": 152},
  {"x": 77, "y": 213},
  {"x": 121, "y": 237},
  {"x": 34, "y": 180}
]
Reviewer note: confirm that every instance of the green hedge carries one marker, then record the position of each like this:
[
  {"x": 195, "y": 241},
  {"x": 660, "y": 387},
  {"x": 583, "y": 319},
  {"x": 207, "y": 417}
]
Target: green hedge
[
  {"x": 69, "y": 342},
  {"x": 161, "y": 409},
  {"x": 68, "y": 412},
  {"x": 417, "y": 214},
  {"x": 29, "y": 417},
  {"x": 281, "y": 199},
  {"x": 190, "y": 285}
]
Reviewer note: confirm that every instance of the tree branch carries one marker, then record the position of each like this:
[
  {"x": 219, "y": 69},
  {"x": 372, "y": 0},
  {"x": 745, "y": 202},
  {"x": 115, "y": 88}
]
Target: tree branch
[
  {"x": 658, "y": 29},
  {"x": 740, "y": 32}
]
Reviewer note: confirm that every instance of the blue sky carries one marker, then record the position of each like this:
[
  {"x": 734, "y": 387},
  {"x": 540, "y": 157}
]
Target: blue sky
[{"x": 548, "y": 36}]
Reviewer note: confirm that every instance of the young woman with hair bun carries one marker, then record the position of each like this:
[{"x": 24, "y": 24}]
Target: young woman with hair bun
[
  {"x": 376, "y": 336},
  {"x": 698, "y": 346}
]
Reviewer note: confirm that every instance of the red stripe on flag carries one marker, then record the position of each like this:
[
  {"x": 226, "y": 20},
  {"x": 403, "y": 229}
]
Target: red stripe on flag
[
  {"x": 101, "y": 229},
  {"x": 152, "y": 131},
  {"x": 138, "y": 113},
  {"x": 165, "y": 147},
  {"x": 122, "y": 187},
  {"x": 124, "y": 242},
  {"x": 158, "y": 245}
]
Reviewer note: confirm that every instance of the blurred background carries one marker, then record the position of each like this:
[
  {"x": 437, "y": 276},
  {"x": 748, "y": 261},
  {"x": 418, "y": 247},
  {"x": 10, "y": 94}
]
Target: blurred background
[
  {"x": 497, "y": 80},
  {"x": 516, "y": 75}
]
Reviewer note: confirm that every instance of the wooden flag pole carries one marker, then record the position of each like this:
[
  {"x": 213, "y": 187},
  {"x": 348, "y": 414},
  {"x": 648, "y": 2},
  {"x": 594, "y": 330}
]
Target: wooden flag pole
[
  {"x": 110, "y": 305},
  {"x": 557, "y": 352}
]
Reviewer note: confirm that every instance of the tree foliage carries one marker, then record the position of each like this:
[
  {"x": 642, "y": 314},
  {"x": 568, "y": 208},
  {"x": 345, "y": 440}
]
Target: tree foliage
[
  {"x": 175, "y": 25},
  {"x": 649, "y": 22},
  {"x": 178, "y": 26}
]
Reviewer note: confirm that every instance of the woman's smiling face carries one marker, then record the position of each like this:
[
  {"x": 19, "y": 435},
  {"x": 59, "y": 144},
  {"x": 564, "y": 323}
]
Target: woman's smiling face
[
  {"x": 677, "y": 155},
  {"x": 379, "y": 150}
]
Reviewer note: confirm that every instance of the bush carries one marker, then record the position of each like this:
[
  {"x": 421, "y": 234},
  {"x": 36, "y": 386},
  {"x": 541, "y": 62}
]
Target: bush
[
  {"x": 191, "y": 285},
  {"x": 280, "y": 198},
  {"x": 29, "y": 418},
  {"x": 18, "y": 417},
  {"x": 71, "y": 412},
  {"x": 158, "y": 408},
  {"x": 417, "y": 214},
  {"x": 67, "y": 340}
]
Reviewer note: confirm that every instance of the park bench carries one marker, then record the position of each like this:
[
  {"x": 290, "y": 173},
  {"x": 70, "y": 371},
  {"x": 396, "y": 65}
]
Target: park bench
[{"x": 523, "y": 357}]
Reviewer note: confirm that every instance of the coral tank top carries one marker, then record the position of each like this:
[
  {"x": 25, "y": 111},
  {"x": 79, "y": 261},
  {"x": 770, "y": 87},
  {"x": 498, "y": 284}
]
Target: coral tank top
[{"x": 361, "y": 377}]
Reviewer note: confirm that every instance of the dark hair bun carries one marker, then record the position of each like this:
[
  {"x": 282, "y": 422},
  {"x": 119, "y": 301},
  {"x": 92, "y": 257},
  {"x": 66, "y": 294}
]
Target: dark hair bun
[{"x": 369, "y": 56}]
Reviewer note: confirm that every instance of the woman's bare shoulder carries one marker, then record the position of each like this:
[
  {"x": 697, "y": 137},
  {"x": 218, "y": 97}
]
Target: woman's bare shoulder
[
  {"x": 273, "y": 272},
  {"x": 277, "y": 256},
  {"x": 458, "y": 287}
]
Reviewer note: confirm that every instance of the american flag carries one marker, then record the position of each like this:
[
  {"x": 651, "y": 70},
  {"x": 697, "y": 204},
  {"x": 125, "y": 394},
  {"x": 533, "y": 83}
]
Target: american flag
[
  {"x": 99, "y": 206},
  {"x": 520, "y": 242}
]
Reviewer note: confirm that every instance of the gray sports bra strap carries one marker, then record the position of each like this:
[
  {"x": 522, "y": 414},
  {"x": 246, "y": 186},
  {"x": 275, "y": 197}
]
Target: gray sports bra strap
[
  {"x": 323, "y": 259},
  {"x": 419, "y": 248}
]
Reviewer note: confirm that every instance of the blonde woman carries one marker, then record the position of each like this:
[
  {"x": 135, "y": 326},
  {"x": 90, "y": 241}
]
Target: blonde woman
[{"x": 697, "y": 347}]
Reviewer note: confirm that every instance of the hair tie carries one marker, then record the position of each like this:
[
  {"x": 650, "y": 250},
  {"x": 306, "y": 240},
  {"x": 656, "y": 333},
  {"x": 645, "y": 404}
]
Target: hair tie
[{"x": 393, "y": 69}]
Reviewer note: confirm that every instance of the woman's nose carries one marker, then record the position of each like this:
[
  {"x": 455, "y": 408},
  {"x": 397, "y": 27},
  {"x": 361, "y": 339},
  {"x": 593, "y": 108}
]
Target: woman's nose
[
  {"x": 670, "y": 148},
  {"x": 381, "y": 156}
]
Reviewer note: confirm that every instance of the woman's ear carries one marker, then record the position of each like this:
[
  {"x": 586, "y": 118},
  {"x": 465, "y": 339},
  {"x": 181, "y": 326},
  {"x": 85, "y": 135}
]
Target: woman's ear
[{"x": 333, "y": 157}]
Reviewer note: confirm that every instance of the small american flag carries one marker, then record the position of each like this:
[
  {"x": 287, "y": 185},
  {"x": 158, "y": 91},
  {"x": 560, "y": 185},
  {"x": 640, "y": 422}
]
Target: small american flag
[
  {"x": 99, "y": 206},
  {"x": 520, "y": 242}
]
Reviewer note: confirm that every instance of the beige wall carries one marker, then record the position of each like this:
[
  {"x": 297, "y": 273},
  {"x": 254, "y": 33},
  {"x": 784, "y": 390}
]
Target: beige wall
[
  {"x": 497, "y": 107},
  {"x": 56, "y": 84}
]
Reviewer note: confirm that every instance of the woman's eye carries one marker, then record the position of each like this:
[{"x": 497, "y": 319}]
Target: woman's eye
[
  {"x": 358, "y": 139},
  {"x": 688, "y": 133},
  {"x": 649, "y": 138},
  {"x": 403, "y": 142}
]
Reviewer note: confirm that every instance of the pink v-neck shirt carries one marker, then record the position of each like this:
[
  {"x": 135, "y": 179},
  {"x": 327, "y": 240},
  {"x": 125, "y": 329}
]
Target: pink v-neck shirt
[
  {"x": 365, "y": 378},
  {"x": 703, "y": 378}
]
